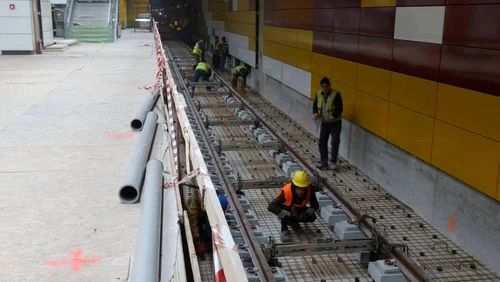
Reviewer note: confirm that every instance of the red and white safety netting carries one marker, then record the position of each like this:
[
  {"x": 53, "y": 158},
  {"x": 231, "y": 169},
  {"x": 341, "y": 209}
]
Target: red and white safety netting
[{"x": 227, "y": 262}]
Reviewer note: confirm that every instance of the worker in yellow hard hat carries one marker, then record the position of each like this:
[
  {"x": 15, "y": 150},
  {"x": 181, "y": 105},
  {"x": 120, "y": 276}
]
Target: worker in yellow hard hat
[{"x": 296, "y": 202}]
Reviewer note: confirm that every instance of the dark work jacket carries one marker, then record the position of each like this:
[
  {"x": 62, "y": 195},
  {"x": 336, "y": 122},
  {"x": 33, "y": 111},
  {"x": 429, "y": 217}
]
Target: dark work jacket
[
  {"x": 337, "y": 102},
  {"x": 276, "y": 206}
]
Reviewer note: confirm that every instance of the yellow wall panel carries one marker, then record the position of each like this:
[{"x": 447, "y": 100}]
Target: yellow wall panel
[
  {"x": 411, "y": 131},
  {"x": 348, "y": 98},
  {"x": 252, "y": 44},
  {"x": 315, "y": 87},
  {"x": 305, "y": 39},
  {"x": 289, "y": 37},
  {"x": 243, "y": 5},
  {"x": 371, "y": 113},
  {"x": 414, "y": 93},
  {"x": 273, "y": 34},
  {"x": 378, "y": 3},
  {"x": 297, "y": 58},
  {"x": 273, "y": 50},
  {"x": 321, "y": 65},
  {"x": 467, "y": 156},
  {"x": 471, "y": 110},
  {"x": 345, "y": 72},
  {"x": 374, "y": 81}
]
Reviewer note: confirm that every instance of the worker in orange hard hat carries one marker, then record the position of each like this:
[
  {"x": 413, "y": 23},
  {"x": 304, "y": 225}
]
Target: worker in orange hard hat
[{"x": 291, "y": 204}]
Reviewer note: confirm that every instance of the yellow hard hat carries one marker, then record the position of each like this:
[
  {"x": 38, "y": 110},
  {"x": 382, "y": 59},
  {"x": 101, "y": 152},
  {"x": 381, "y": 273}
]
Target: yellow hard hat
[{"x": 300, "y": 179}]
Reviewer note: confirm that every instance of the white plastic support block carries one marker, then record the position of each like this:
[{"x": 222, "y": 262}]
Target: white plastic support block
[
  {"x": 252, "y": 274},
  {"x": 385, "y": 271},
  {"x": 333, "y": 214},
  {"x": 259, "y": 131},
  {"x": 290, "y": 167},
  {"x": 279, "y": 274},
  {"x": 324, "y": 199},
  {"x": 363, "y": 258},
  {"x": 264, "y": 137},
  {"x": 348, "y": 231},
  {"x": 273, "y": 153},
  {"x": 257, "y": 231},
  {"x": 281, "y": 158}
]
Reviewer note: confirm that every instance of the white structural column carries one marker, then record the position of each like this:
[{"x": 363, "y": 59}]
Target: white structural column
[{"x": 47, "y": 29}]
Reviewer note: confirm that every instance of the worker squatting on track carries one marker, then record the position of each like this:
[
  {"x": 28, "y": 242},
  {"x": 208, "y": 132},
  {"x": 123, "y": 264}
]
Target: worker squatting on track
[
  {"x": 202, "y": 70},
  {"x": 328, "y": 108},
  {"x": 290, "y": 205},
  {"x": 198, "y": 220},
  {"x": 239, "y": 71},
  {"x": 199, "y": 51}
]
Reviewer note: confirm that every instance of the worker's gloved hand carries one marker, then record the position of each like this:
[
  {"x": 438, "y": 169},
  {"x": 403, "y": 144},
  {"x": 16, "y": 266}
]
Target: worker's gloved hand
[
  {"x": 316, "y": 116},
  {"x": 310, "y": 211}
]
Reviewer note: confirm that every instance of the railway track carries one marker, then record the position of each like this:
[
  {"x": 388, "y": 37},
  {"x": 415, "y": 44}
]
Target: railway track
[{"x": 252, "y": 148}]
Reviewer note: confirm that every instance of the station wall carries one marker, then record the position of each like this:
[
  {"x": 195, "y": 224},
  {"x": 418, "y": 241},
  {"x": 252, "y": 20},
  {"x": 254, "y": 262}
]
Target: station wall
[
  {"x": 422, "y": 75},
  {"x": 16, "y": 26},
  {"x": 237, "y": 21}
]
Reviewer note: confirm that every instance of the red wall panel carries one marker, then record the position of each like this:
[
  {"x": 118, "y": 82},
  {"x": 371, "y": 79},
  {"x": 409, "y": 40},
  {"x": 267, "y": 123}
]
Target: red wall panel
[
  {"x": 323, "y": 20},
  {"x": 347, "y": 3},
  {"x": 347, "y": 20},
  {"x": 378, "y": 22},
  {"x": 473, "y": 26},
  {"x": 421, "y": 3},
  {"x": 305, "y": 19},
  {"x": 322, "y": 42},
  {"x": 323, "y": 4},
  {"x": 345, "y": 46},
  {"x": 417, "y": 58},
  {"x": 471, "y": 68},
  {"x": 377, "y": 52},
  {"x": 472, "y": 2}
]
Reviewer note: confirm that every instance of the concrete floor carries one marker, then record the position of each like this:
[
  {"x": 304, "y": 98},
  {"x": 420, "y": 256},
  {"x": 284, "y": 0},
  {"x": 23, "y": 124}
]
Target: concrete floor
[{"x": 65, "y": 145}]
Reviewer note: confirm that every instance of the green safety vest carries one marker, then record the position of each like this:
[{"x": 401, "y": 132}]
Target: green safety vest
[
  {"x": 330, "y": 107},
  {"x": 196, "y": 49},
  {"x": 217, "y": 46},
  {"x": 203, "y": 66},
  {"x": 237, "y": 69}
]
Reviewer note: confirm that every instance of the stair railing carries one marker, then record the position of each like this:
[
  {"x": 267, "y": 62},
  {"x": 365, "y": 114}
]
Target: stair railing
[{"x": 68, "y": 18}]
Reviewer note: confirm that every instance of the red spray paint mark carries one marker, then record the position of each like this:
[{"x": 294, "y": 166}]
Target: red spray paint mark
[
  {"x": 76, "y": 262},
  {"x": 120, "y": 135}
]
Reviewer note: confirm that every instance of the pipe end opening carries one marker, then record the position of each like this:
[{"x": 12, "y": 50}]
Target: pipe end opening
[
  {"x": 136, "y": 124},
  {"x": 129, "y": 195}
]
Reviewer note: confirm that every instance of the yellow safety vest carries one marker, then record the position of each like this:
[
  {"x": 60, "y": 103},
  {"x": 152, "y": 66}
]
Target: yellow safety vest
[
  {"x": 196, "y": 49},
  {"x": 203, "y": 66},
  {"x": 217, "y": 46},
  {"x": 330, "y": 107},
  {"x": 238, "y": 69}
]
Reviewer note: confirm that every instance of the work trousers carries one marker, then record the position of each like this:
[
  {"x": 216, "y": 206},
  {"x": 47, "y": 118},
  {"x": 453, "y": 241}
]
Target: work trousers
[
  {"x": 222, "y": 62},
  {"x": 234, "y": 81},
  {"x": 200, "y": 74},
  {"x": 327, "y": 130},
  {"x": 294, "y": 220},
  {"x": 216, "y": 61}
]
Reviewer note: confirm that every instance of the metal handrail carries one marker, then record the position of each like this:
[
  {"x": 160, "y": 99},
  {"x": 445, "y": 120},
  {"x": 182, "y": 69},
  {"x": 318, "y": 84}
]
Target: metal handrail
[{"x": 68, "y": 15}]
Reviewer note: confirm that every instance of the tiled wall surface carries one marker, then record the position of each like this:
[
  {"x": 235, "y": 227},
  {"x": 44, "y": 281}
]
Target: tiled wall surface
[
  {"x": 236, "y": 20},
  {"x": 16, "y": 26},
  {"x": 422, "y": 74}
]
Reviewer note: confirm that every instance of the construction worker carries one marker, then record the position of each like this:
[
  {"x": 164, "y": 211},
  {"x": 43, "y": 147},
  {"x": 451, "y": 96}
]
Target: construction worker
[
  {"x": 224, "y": 53},
  {"x": 198, "y": 220},
  {"x": 328, "y": 108},
  {"x": 216, "y": 54},
  {"x": 291, "y": 204},
  {"x": 239, "y": 71},
  {"x": 201, "y": 70},
  {"x": 199, "y": 51}
]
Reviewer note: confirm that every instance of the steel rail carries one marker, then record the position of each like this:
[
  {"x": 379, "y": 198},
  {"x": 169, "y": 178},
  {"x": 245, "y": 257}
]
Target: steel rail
[
  {"x": 409, "y": 265},
  {"x": 255, "y": 250}
]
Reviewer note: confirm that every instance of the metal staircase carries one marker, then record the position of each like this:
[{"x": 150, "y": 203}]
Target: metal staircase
[{"x": 92, "y": 20}]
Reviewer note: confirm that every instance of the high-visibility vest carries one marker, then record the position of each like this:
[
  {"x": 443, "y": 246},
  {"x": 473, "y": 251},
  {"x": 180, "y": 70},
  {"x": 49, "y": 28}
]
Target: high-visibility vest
[
  {"x": 217, "y": 46},
  {"x": 287, "y": 189},
  {"x": 197, "y": 50},
  {"x": 203, "y": 66},
  {"x": 237, "y": 69},
  {"x": 330, "y": 106}
]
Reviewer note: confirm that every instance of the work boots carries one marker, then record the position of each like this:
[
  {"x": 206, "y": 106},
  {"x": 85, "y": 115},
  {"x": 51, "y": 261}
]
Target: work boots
[
  {"x": 284, "y": 236},
  {"x": 199, "y": 248}
]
